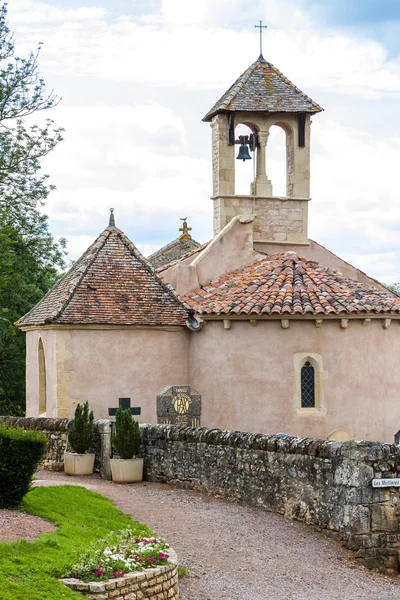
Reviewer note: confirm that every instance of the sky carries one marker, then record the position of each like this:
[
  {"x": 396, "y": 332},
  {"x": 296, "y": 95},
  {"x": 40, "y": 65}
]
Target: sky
[{"x": 136, "y": 77}]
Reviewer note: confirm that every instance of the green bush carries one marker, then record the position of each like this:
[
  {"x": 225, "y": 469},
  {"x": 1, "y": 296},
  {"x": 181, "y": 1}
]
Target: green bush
[
  {"x": 127, "y": 434},
  {"x": 20, "y": 454},
  {"x": 81, "y": 434}
]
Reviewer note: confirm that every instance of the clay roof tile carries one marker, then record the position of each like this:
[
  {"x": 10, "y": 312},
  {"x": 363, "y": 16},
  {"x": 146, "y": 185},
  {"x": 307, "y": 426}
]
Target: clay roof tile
[
  {"x": 282, "y": 284},
  {"x": 110, "y": 284}
]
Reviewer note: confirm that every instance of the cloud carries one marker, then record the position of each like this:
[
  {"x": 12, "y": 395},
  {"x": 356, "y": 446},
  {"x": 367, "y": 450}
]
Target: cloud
[
  {"x": 131, "y": 84},
  {"x": 183, "y": 48},
  {"x": 131, "y": 158}
]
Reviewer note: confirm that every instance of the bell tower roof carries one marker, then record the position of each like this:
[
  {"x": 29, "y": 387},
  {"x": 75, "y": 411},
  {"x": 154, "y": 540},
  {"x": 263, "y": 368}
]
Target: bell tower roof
[{"x": 262, "y": 88}]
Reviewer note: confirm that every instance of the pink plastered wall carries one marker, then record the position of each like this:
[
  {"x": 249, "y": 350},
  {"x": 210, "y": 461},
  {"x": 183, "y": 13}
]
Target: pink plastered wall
[
  {"x": 125, "y": 363},
  {"x": 246, "y": 376}
]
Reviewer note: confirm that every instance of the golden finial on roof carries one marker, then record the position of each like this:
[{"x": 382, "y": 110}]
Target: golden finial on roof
[{"x": 185, "y": 231}]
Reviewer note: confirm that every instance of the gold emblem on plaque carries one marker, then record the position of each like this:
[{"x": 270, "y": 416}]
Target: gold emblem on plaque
[{"x": 182, "y": 403}]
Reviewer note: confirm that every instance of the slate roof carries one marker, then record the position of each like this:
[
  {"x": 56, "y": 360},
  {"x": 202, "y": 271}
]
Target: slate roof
[
  {"x": 285, "y": 284},
  {"x": 263, "y": 88},
  {"x": 175, "y": 250},
  {"x": 111, "y": 284}
]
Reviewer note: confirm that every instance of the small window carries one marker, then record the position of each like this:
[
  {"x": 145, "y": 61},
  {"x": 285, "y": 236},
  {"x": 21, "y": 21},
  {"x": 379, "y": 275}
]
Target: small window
[{"x": 307, "y": 386}]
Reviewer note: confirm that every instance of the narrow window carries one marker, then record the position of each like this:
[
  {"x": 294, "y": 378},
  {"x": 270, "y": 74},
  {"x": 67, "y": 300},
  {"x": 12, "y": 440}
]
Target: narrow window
[
  {"x": 42, "y": 379},
  {"x": 307, "y": 386}
]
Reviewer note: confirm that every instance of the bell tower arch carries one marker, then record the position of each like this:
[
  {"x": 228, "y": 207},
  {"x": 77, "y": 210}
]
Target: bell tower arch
[{"x": 262, "y": 98}]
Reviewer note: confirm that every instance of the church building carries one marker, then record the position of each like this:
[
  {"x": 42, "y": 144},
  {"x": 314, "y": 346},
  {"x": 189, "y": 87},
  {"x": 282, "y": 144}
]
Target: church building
[{"x": 275, "y": 332}]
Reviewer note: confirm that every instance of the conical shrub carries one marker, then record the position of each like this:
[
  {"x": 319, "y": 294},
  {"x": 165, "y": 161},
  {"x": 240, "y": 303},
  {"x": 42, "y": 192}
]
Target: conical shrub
[
  {"x": 127, "y": 434},
  {"x": 81, "y": 434}
]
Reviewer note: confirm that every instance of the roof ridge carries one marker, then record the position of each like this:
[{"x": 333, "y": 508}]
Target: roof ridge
[
  {"x": 170, "y": 245},
  {"x": 74, "y": 283},
  {"x": 292, "y": 285},
  {"x": 245, "y": 75},
  {"x": 147, "y": 264},
  {"x": 264, "y": 88},
  {"x": 229, "y": 91},
  {"x": 289, "y": 82}
]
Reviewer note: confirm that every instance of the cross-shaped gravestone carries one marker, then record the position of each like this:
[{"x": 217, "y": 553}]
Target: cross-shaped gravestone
[{"x": 125, "y": 403}]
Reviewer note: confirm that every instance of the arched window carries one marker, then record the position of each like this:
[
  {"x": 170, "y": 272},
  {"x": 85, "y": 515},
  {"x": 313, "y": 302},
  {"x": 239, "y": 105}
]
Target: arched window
[
  {"x": 307, "y": 385},
  {"x": 42, "y": 379},
  {"x": 277, "y": 159},
  {"x": 244, "y": 171}
]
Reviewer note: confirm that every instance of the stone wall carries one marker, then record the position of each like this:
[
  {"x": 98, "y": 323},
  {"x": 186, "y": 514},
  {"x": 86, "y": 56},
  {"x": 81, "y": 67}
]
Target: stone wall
[
  {"x": 160, "y": 583},
  {"x": 326, "y": 484},
  {"x": 57, "y": 430}
]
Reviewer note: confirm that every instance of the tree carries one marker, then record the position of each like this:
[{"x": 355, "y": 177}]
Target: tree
[
  {"x": 29, "y": 257},
  {"x": 393, "y": 287}
]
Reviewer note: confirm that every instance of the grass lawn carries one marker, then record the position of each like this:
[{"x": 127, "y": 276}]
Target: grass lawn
[{"x": 29, "y": 570}]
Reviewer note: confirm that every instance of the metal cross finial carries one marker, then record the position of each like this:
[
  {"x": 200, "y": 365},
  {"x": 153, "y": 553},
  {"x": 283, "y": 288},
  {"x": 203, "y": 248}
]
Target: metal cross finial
[
  {"x": 261, "y": 27},
  {"x": 111, "y": 222}
]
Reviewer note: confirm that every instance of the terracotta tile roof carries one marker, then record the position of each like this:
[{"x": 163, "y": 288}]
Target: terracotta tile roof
[
  {"x": 175, "y": 250},
  {"x": 111, "y": 284},
  {"x": 263, "y": 88},
  {"x": 284, "y": 284},
  {"x": 193, "y": 253}
]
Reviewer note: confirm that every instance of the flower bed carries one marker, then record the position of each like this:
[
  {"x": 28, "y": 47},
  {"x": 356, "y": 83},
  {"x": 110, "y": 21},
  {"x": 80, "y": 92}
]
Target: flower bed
[{"x": 124, "y": 567}]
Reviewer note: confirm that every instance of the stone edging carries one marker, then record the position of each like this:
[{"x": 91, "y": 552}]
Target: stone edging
[{"x": 160, "y": 583}]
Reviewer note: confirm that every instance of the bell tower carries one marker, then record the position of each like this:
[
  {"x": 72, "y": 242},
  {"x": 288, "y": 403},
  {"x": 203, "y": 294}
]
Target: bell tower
[{"x": 261, "y": 98}]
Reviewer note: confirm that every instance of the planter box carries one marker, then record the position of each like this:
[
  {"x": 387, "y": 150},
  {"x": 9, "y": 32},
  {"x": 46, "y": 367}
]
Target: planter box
[
  {"x": 78, "y": 464},
  {"x": 126, "y": 470},
  {"x": 160, "y": 583}
]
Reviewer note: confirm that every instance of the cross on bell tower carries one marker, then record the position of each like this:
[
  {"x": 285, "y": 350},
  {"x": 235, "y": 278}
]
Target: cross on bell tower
[{"x": 261, "y": 27}]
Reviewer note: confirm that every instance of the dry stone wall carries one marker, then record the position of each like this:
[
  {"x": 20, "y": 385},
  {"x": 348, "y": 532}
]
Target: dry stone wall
[
  {"x": 325, "y": 484},
  {"x": 57, "y": 430},
  {"x": 160, "y": 583}
]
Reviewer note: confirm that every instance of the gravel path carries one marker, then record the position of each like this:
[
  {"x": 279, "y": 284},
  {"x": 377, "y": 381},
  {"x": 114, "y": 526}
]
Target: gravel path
[
  {"x": 16, "y": 525},
  {"x": 235, "y": 552}
]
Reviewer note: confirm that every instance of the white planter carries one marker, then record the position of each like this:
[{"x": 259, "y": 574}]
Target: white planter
[
  {"x": 126, "y": 470},
  {"x": 78, "y": 464}
]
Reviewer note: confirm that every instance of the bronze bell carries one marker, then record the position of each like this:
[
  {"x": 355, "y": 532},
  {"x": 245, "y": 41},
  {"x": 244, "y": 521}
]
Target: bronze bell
[{"x": 244, "y": 153}]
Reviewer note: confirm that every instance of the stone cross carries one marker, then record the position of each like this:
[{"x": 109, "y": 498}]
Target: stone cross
[{"x": 125, "y": 403}]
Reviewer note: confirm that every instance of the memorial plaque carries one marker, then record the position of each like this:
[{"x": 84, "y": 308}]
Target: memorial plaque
[{"x": 179, "y": 405}]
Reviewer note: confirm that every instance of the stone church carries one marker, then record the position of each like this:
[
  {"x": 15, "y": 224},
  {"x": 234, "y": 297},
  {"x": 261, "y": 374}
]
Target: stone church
[{"x": 275, "y": 332}]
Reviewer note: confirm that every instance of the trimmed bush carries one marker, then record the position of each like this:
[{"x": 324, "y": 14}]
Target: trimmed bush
[
  {"x": 127, "y": 434},
  {"x": 81, "y": 435},
  {"x": 20, "y": 454}
]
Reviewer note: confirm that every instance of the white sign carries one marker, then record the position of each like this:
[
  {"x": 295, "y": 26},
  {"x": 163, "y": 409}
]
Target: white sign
[{"x": 385, "y": 483}]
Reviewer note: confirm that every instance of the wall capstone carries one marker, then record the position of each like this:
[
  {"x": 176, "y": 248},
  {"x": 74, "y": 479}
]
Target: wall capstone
[
  {"x": 57, "y": 431},
  {"x": 326, "y": 484}
]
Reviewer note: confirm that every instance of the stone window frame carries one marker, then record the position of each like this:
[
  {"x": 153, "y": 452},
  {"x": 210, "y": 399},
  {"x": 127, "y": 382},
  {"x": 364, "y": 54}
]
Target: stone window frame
[{"x": 320, "y": 375}]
